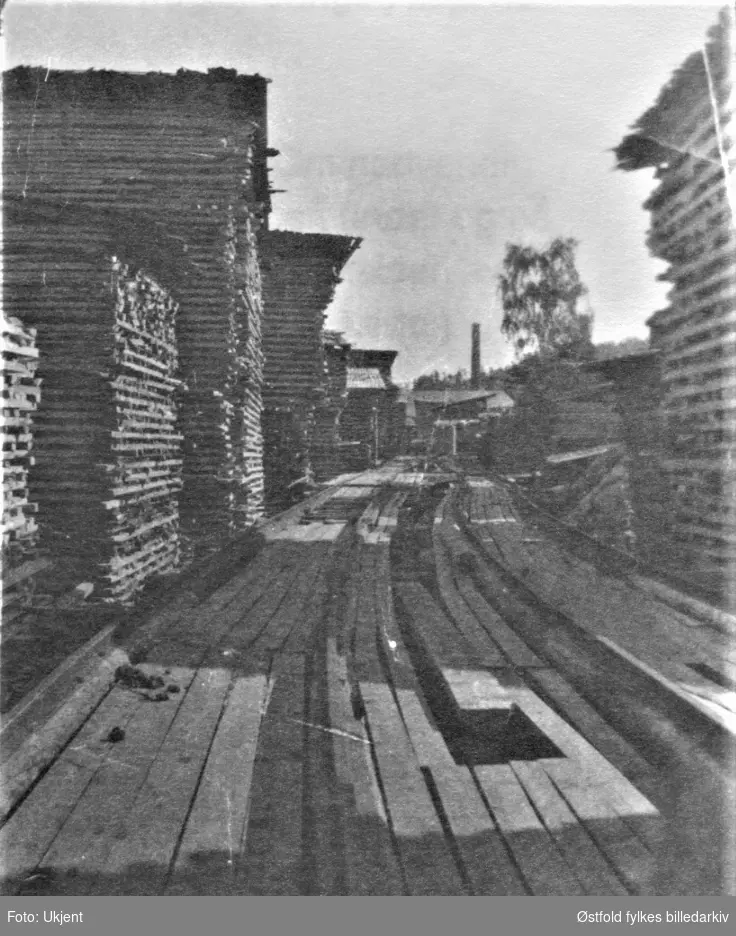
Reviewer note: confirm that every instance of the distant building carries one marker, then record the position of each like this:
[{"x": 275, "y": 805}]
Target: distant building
[
  {"x": 370, "y": 417},
  {"x": 430, "y": 415},
  {"x": 427, "y": 406}
]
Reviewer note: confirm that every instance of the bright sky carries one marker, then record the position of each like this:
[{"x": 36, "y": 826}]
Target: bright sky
[{"x": 436, "y": 133}]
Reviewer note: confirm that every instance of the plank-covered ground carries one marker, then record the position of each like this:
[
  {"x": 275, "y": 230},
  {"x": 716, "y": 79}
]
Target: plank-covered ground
[{"x": 342, "y": 717}]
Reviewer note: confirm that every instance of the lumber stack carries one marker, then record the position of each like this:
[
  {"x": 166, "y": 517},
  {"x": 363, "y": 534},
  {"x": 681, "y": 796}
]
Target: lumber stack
[
  {"x": 167, "y": 174},
  {"x": 222, "y": 365},
  {"x": 692, "y": 231},
  {"x": 584, "y": 419},
  {"x": 327, "y": 455},
  {"x": 145, "y": 474},
  {"x": 21, "y": 393},
  {"x": 300, "y": 275}
]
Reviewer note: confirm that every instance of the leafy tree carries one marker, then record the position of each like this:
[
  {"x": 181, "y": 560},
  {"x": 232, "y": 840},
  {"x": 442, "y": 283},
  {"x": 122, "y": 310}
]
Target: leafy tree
[
  {"x": 539, "y": 292},
  {"x": 442, "y": 381}
]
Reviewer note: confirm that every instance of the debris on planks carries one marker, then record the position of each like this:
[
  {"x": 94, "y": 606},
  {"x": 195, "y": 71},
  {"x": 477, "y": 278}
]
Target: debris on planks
[{"x": 150, "y": 686}]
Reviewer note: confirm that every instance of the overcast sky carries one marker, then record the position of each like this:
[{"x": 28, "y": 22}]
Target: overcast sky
[{"x": 436, "y": 133}]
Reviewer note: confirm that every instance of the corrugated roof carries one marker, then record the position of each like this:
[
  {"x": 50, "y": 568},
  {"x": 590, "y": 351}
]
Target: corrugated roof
[
  {"x": 365, "y": 378},
  {"x": 450, "y": 397},
  {"x": 500, "y": 400}
]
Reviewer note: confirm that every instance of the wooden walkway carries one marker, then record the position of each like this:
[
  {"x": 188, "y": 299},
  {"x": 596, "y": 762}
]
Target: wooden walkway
[
  {"x": 328, "y": 724},
  {"x": 696, "y": 662}
]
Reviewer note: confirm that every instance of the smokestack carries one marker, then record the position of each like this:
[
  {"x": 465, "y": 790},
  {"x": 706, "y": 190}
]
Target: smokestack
[{"x": 475, "y": 357}]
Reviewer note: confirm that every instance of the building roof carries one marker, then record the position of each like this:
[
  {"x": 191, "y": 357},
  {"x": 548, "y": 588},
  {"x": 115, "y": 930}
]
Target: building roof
[
  {"x": 499, "y": 400},
  {"x": 449, "y": 397},
  {"x": 334, "y": 339},
  {"x": 493, "y": 399},
  {"x": 365, "y": 378}
]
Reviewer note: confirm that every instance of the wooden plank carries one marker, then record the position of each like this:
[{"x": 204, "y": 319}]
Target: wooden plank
[
  {"x": 25, "y": 838},
  {"x": 364, "y": 661},
  {"x": 539, "y": 860},
  {"x": 701, "y": 694},
  {"x": 515, "y": 648},
  {"x": 596, "y": 731},
  {"x": 483, "y": 854},
  {"x": 24, "y": 766},
  {"x": 291, "y": 609},
  {"x": 579, "y": 850},
  {"x": 371, "y": 865},
  {"x": 232, "y": 632},
  {"x": 390, "y": 638},
  {"x": 208, "y": 856},
  {"x": 426, "y": 859},
  {"x": 323, "y": 823},
  {"x": 593, "y": 768},
  {"x": 633, "y": 862},
  {"x": 74, "y": 862},
  {"x": 301, "y": 638},
  {"x": 272, "y": 862},
  {"x": 444, "y": 642},
  {"x": 487, "y": 651},
  {"x": 139, "y": 860},
  {"x": 479, "y": 692}
]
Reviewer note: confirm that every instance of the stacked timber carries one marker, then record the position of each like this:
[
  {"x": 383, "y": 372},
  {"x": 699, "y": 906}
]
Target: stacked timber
[
  {"x": 371, "y": 416},
  {"x": 637, "y": 391},
  {"x": 686, "y": 136},
  {"x": 145, "y": 475},
  {"x": 222, "y": 366},
  {"x": 167, "y": 174},
  {"x": 585, "y": 418},
  {"x": 300, "y": 275},
  {"x": 327, "y": 453},
  {"x": 21, "y": 393}
]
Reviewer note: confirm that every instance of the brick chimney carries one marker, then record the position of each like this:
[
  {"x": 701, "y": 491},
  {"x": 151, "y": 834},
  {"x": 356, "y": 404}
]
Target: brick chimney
[{"x": 475, "y": 357}]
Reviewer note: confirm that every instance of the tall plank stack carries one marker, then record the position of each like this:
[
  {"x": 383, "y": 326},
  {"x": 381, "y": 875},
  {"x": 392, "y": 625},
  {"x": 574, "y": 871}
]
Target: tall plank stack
[
  {"x": 146, "y": 470},
  {"x": 133, "y": 204},
  {"x": 326, "y": 450},
  {"x": 300, "y": 275},
  {"x": 687, "y": 137}
]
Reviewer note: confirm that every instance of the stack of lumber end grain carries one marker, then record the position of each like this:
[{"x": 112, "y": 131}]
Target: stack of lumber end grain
[
  {"x": 145, "y": 476},
  {"x": 21, "y": 392}
]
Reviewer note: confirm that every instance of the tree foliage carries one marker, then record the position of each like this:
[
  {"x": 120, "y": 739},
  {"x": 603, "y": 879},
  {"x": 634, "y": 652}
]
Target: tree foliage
[
  {"x": 539, "y": 291},
  {"x": 437, "y": 380}
]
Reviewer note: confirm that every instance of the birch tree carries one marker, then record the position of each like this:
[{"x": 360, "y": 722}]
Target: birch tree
[{"x": 539, "y": 291}]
